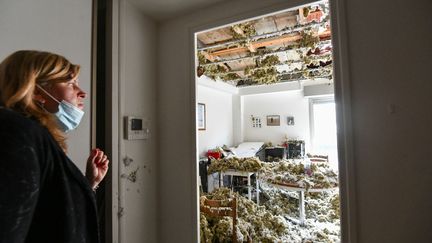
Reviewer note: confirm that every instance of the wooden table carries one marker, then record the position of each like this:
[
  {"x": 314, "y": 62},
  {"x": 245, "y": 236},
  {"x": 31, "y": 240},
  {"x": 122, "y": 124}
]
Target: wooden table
[{"x": 244, "y": 174}]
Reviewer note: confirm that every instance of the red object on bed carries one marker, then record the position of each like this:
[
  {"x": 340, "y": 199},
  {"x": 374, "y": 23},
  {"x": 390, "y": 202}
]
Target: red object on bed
[{"x": 213, "y": 154}]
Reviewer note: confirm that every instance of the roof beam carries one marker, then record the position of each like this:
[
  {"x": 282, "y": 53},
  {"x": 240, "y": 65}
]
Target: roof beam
[
  {"x": 291, "y": 30},
  {"x": 321, "y": 44},
  {"x": 269, "y": 42}
]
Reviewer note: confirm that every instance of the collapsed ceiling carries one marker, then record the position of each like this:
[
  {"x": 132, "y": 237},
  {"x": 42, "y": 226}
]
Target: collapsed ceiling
[{"x": 290, "y": 46}]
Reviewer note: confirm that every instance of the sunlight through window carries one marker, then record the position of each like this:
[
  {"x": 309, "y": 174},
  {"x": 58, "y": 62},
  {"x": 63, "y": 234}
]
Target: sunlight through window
[{"x": 324, "y": 139}]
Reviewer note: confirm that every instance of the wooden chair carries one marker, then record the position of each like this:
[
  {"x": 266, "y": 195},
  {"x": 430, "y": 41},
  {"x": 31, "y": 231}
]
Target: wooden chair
[
  {"x": 318, "y": 158},
  {"x": 221, "y": 208}
]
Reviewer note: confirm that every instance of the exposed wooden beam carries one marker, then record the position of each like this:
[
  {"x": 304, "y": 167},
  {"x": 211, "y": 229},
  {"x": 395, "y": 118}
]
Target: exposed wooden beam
[
  {"x": 284, "y": 75},
  {"x": 291, "y": 30},
  {"x": 313, "y": 58},
  {"x": 251, "y": 48},
  {"x": 321, "y": 44},
  {"x": 238, "y": 30},
  {"x": 276, "y": 41},
  {"x": 268, "y": 42},
  {"x": 208, "y": 56}
]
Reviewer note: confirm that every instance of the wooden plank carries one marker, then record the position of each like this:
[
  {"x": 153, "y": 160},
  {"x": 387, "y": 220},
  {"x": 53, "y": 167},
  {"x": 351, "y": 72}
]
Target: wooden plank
[
  {"x": 204, "y": 38},
  {"x": 251, "y": 48},
  {"x": 208, "y": 56},
  {"x": 278, "y": 40},
  {"x": 265, "y": 25},
  {"x": 225, "y": 34},
  {"x": 217, "y": 36},
  {"x": 217, "y": 212},
  {"x": 236, "y": 66},
  {"x": 219, "y": 207},
  {"x": 269, "y": 42},
  {"x": 219, "y": 203},
  {"x": 301, "y": 19}
]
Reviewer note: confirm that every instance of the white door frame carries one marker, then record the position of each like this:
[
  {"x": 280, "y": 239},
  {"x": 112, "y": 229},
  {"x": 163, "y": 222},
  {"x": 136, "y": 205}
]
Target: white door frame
[{"x": 342, "y": 99}]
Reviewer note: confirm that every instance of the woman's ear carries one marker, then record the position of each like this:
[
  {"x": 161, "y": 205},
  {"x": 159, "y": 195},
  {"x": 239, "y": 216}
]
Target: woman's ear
[
  {"x": 39, "y": 98},
  {"x": 37, "y": 95}
]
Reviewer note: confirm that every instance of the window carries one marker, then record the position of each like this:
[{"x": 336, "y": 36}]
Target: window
[{"x": 323, "y": 129}]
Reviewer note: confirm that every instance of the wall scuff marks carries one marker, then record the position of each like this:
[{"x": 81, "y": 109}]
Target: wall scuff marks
[{"x": 127, "y": 161}]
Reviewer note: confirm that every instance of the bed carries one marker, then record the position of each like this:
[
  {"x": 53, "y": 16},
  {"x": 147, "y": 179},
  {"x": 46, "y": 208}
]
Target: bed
[
  {"x": 249, "y": 149},
  {"x": 243, "y": 150}
]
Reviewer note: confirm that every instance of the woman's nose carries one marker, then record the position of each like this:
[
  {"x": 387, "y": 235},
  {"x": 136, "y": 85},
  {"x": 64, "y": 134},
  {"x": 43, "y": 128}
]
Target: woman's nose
[{"x": 81, "y": 93}]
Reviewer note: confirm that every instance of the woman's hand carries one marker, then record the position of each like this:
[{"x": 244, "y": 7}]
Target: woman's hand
[{"x": 97, "y": 167}]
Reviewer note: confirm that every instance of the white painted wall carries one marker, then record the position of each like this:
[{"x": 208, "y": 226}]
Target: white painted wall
[
  {"x": 138, "y": 39},
  {"x": 238, "y": 128},
  {"x": 59, "y": 26},
  {"x": 219, "y": 119},
  {"x": 287, "y": 103},
  {"x": 390, "y": 54}
]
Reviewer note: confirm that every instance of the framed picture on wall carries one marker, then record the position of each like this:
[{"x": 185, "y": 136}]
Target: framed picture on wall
[
  {"x": 273, "y": 120},
  {"x": 290, "y": 121},
  {"x": 201, "y": 119}
]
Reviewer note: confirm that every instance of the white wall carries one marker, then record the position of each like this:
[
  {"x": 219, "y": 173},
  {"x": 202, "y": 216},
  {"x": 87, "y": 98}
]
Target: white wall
[
  {"x": 138, "y": 39},
  {"x": 59, "y": 26},
  {"x": 287, "y": 103},
  {"x": 219, "y": 119},
  {"x": 238, "y": 128},
  {"x": 390, "y": 57}
]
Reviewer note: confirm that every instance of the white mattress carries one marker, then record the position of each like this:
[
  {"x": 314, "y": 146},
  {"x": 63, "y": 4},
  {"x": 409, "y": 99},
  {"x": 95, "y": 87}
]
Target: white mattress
[{"x": 246, "y": 149}]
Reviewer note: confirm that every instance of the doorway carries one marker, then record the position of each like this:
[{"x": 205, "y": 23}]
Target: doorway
[{"x": 243, "y": 83}]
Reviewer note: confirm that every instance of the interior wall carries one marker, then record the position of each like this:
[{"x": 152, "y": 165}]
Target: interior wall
[
  {"x": 390, "y": 51},
  {"x": 59, "y": 26},
  {"x": 238, "y": 128},
  {"x": 284, "y": 104},
  {"x": 138, "y": 206},
  {"x": 219, "y": 119}
]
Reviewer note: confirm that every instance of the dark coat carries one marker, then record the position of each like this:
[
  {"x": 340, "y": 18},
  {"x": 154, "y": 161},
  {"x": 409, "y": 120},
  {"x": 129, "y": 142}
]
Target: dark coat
[{"x": 44, "y": 197}]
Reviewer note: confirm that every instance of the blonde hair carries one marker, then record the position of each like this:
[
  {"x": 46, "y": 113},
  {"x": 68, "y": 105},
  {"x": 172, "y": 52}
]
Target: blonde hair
[{"x": 19, "y": 74}]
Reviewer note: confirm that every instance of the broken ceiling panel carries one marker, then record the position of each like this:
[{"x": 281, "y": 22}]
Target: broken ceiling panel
[
  {"x": 286, "y": 20},
  {"x": 289, "y": 46},
  {"x": 265, "y": 25}
]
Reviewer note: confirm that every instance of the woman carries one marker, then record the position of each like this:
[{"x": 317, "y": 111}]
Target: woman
[{"x": 44, "y": 196}]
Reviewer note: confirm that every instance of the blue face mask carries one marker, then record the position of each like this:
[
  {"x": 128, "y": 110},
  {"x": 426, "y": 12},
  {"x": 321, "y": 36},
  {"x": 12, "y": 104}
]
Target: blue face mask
[{"x": 68, "y": 115}]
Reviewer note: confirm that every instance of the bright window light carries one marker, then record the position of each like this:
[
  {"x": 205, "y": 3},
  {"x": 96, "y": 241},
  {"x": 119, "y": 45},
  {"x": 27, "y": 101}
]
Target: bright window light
[{"x": 324, "y": 141}]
